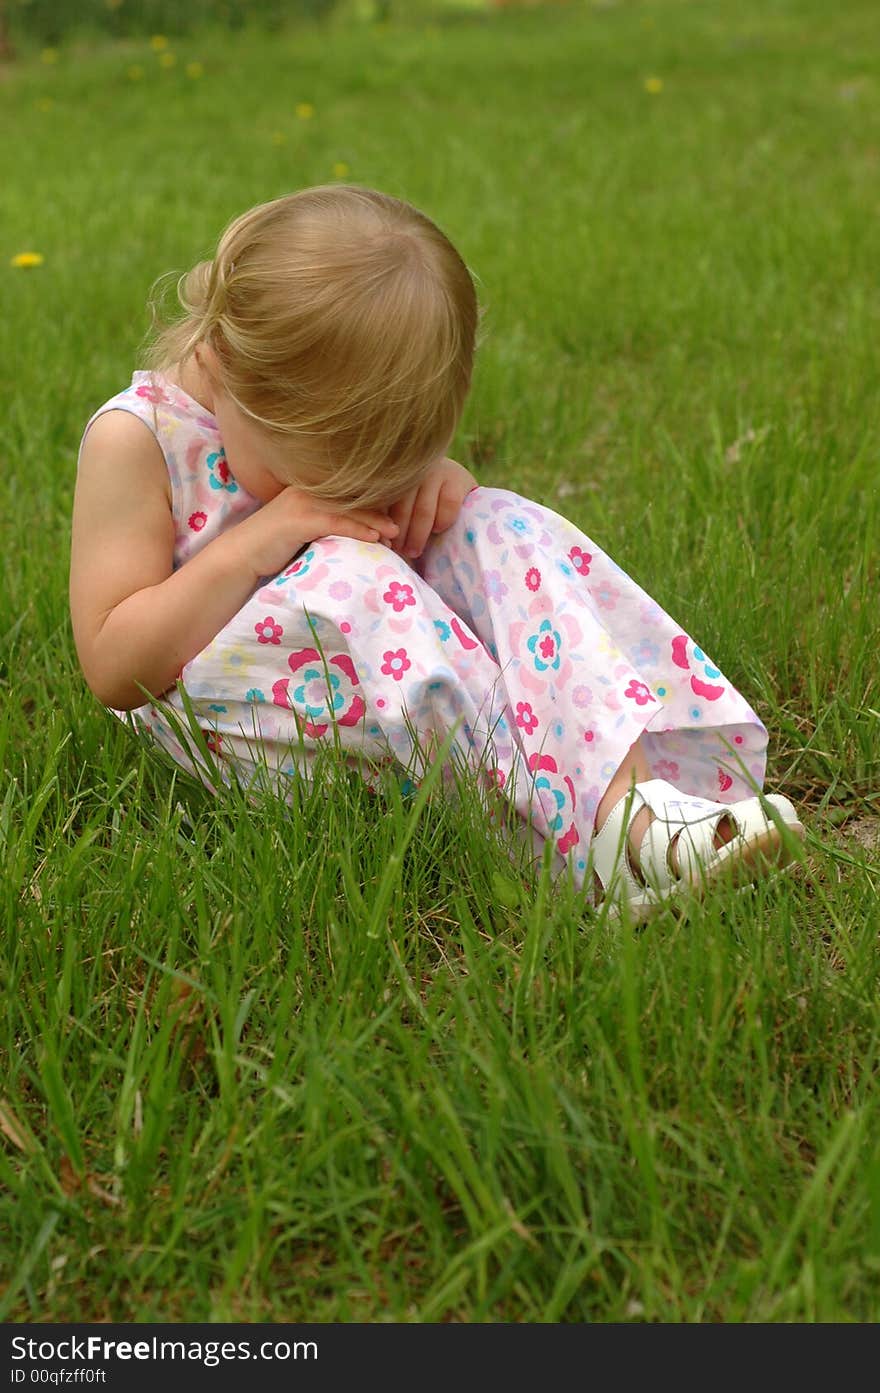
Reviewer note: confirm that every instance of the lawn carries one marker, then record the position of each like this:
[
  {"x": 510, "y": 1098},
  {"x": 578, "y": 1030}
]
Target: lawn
[{"x": 327, "y": 1065}]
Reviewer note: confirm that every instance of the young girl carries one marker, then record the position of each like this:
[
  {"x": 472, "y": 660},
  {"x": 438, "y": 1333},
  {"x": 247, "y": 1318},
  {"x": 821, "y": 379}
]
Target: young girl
[{"x": 268, "y": 516}]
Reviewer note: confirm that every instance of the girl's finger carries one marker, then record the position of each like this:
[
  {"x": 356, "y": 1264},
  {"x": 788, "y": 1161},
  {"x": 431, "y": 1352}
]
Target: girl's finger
[
  {"x": 421, "y": 522},
  {"x": 448, "y": 507},
  {"x": 401, "y": 512},
  {"x": 359, "y": 532}
]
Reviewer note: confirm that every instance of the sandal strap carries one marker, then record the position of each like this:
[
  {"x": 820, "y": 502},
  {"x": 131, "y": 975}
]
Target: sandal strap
[
  {"x": 695, "y": 820},
  {"x": 691, "y": 824}
]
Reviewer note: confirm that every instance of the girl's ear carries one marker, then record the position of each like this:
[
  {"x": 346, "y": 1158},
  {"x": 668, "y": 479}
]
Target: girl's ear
[{"x": 207, "y": 360}]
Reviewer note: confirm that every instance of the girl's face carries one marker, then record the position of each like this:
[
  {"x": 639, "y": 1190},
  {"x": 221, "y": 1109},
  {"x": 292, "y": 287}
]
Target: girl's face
[
  {"x": 250, "y": 455},
  {"x": 256, "y": 461}
]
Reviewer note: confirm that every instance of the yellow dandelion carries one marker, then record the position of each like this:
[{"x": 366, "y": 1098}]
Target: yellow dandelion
[
  {"x": 25, "y": 260},
  {"x": 305, "y": 111},
  {"x": 158, "y": 42},
  {"x": 653, "y": 85},
  {"x": 49, "y": 55},
  {"x": 279, "y": 138},
  {"x": 194, "y": 70},
  {"x": 340, "y": 169},
  {"x": 135, "y": 72},
  {"x": 167, "y": 60},
  {"x": 45, "y": 104}
]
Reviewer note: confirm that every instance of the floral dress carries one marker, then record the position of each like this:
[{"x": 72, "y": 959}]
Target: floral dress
[{"x": 514, "y": 634}]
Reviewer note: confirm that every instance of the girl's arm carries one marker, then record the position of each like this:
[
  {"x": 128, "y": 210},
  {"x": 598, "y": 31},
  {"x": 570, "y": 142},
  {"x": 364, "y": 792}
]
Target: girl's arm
[{"x": 136, "y": 621}]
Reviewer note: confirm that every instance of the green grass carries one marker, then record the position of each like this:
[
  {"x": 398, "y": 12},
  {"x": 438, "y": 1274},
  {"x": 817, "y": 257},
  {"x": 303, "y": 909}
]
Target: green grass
[{"x": 344, "y": 1062}]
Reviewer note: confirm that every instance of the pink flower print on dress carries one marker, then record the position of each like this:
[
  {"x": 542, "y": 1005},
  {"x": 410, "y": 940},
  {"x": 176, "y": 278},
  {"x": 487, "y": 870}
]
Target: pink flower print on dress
[
  {"x": 545, "y": 647},
  {"x": 149, "y": 392},
  {"x": 580, "y": 559},
  {"x": 299, "y": 568},
  {"x": 724, "y": 780},
  {"x": 221, "y": 475},
  {"x": 267, "y": 631},
  {"x": 493, "y": 585},
  {"x": 396, "y": 664},
  {"x": 571, "y": 838},
  {"x": 555, "y": 795},
  {"x": 525, "y": 717},
  {"x": 646, "y": 653},
  {"x": 399, "y": 595},
  {"x": 196, "y": 521},
  {"x": 639, "y": 693},
  {"x": 523, "y": 523},
  {"x": 533, "y": 578},
  {"x": 463, "y": 637},
  {"x": 606, "y": 594},
  {"x": 318, "y": 694},
  {"x": 214, "y": 741},
  {"x": 709, "y": 690},
  {"x": 666, "y": 769}
]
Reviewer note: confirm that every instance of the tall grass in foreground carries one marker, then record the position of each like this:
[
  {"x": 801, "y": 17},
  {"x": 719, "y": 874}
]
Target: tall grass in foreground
[{"x": 348, "y": 1061}]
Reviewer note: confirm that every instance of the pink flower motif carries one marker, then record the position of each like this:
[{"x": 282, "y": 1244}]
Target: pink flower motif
[
  {"x": 494, "y": 778},
  {"x": 214, "y": 741},
  {"x": 547, "y": 647},
  {"x": 666, "y": 769},
  {"x": 197, "y": 520},
  {"x": 533, "y": 578},
  {"x": 569, "y": 840},
  {"x": 525, "y": 717},
  {"x": 267, "y": 631},
  {"x": 639, "y": 693},
  {"x": 395, "y": 664},
  {"x": 151, "y": 393},
  {"x": 399, "y": 595},
  {"x": 493, "y": 585},
  {"x": 580, "y": 559},
  {"x": 606, "y": 595}
]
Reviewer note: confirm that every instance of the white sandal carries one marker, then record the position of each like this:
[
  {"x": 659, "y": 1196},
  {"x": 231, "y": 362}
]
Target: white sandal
[{"x": 690, "y": 826}]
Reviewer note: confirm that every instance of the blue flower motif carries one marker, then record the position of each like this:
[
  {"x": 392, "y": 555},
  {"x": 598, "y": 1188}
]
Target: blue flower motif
[
  {"x": 254, "y": 694},
  {"x": 709, "y": 670},
  {"x": 555, "y": 824},
  {"x": 521, "y": 525},
  {"x": 299, "y": 568},
  {"x": 545, "y": 647},
  {"x": 443, "y": 629},
  {"x": 221, "y": 476},
  {"x": 299, "y": 695}
]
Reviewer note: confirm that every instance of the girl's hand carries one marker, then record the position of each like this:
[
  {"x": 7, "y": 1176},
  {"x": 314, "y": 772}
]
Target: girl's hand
[
  {"x": 430, "y": 507},
  {"x": 268, "y": 539}
]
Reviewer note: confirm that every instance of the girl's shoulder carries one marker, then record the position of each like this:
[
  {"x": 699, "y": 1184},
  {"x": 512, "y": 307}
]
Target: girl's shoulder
[{"x": 161, "y": 404}]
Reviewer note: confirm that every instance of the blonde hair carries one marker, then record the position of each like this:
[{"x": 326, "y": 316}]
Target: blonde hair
[{"x": 343, "y": 323}]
